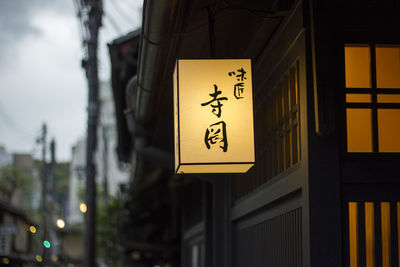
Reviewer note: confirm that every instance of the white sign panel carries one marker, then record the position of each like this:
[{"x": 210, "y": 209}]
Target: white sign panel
[
  {"x": 5, "y": 244},
  {"x": 8, "y": 229},
  {"x": 213, "y": 110}
]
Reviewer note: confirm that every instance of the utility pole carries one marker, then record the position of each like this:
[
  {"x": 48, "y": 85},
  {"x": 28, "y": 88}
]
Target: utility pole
[
  {"x": 105, "y": 131},
  {"x": 52, "y": 166},
  {"x": 90, "y": 13},
  {"x": 50, "y": 197},
  {"x": 44, "y": 175}
]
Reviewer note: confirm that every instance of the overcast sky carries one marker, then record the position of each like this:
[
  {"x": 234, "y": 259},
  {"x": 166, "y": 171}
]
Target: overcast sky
[{"x": 40, "y": 75}]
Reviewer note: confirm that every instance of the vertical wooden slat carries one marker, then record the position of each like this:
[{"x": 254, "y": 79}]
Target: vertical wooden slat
[
  {"x": 370, "y": 234},
  {"x": 394, "y": 257},
  {"x": 297, "y": 93},
  {"x": 299, "y": 235},
  {"x": 395, "y": 223},
  {"x": 385, "y": 233},
  {"x": 277, "y": 135},
  {"x": 276, "y": 242},
  {"x": 291, "y": 239},
  {"x": 269, "y": 244},
  {"x": 279, "y": 127},
  {"x": 257, "y": 244},
  {"x": 276, "y": 248},
  {"x": 268, "y": 139},
  {"x": 293, "y": 149},
  {"x": 352, "y": 243},
  {"x": 286, "y": 121},
  {"x": 275, "y": 155},
  {"x": 283, "y": 239},
  {"x": 346, "y": 234},
  {"x": 361, "y": 234},
  {"x": 264, "y": 242},
  {"x": 378, "y": 234}
]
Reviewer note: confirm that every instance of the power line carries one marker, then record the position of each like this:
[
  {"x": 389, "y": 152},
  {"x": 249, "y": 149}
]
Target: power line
[
  {"x": 113, "y": 23},
  {"x": 117, "y": 18},
  {"x": 134, "y": 9},
  {"x": 121, "y": 12},
  {"x": 13, "y": 125}
]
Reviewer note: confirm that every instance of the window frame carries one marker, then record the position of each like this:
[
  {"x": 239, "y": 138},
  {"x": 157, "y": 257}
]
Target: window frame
[{"x": 373, "y": 91}]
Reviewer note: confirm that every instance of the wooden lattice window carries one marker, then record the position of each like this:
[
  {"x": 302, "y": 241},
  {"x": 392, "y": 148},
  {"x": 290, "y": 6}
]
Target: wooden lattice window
[
  {"x": 372, "y": 98},
  {"x": 373, "y": 234},
  {"x": 282, "y": 124},
  {"x": 277, "y": 134}
]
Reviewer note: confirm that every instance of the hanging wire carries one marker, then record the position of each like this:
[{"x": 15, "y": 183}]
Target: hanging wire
[
  {"x": 81, "y": 13},
  {"x": 132, "y": 9},
  {"x": 121, "y": 12},
  {"x": 112, "y": 22},
  {"x": 211, "y": 32},
  {"x": 256, "y": 13},
  {"x": 211, "y": 22},
  {"x": 22, "y": 133}
]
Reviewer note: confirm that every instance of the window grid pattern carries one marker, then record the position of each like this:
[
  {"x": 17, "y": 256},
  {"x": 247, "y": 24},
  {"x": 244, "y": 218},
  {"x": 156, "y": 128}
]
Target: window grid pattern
[
  {"x": 277, "y": 135},
  {"x": 371, "y": 111}
]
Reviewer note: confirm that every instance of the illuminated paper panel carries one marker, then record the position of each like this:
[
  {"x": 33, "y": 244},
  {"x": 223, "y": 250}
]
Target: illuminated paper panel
[{"x": 213, "y": 115}]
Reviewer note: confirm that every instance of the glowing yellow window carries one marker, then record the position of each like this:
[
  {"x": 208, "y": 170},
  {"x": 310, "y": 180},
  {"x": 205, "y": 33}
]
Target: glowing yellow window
[
  {"x": 387, "y": 67},
  {"x": 358, "y": 98},
  {"x": 359, "y": 134},
  {"x": 357, "y": 66},
  {"x": 372, "y": 110},
  {"x": 388, "y": 98},
  {"x": 389, "y": 130}
]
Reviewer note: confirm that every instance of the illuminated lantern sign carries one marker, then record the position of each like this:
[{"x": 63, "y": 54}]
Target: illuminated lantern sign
[{"x": 213, "y": 112}]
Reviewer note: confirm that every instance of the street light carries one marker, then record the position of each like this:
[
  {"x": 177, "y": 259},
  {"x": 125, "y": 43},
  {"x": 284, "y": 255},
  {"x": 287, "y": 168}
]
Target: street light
[
  {"x": 6, "y": 261},
  {"x": 83, "y": 207},
  {"x": 54, "y": 257},
  {"x": 39, "y": 258},
  {"x": 32, "y": 229},
  {"x": 60, "y": 223}
]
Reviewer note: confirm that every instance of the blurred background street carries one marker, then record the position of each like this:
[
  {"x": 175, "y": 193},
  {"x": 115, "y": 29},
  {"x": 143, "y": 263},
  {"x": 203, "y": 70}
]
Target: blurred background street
[{"x": 43, "y": 132}]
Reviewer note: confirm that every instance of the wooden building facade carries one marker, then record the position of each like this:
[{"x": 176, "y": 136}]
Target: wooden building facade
[{"x": 325, "y": 189}]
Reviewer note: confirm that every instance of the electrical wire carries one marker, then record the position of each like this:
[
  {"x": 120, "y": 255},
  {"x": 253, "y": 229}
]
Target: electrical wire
[
  {"x": 82, "y": 16},
  {"x": 16, "y": 128},
  {"x": 121, "y": 12},
  {"x": 112, "y": 15},
  {"x": 253, "y": 12},
  {"x": 113, "y": 23},
  {"x": 211, "y": 32},
  {"x": 133, "y": 9}
]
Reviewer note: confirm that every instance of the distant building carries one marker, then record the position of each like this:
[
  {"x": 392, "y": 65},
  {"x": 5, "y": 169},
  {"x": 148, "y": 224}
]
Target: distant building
[
  {"x": 19, "y": 196},
  {"x": 109, "y": 173},
  {"x": 25, "y": 163},
  {"x": 76, "y": 183},
  {"x": 20, "y": 167},
  {"x": 5, "y": 158}
]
